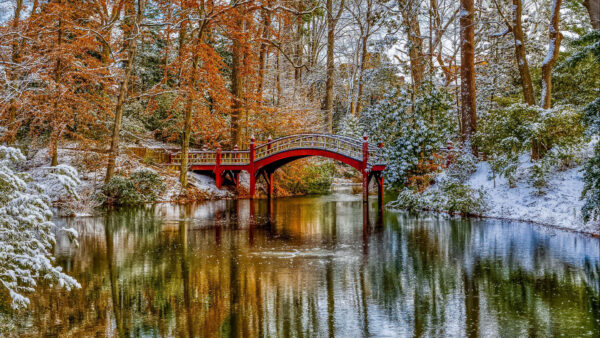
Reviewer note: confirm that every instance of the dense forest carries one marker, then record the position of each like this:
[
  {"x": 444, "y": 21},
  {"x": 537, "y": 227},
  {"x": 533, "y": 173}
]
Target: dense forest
[{"x": 449, "y": 87}]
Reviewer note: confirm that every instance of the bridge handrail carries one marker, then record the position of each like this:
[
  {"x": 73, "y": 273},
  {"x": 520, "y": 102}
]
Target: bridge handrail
[
  {"x": 332, "y": 136},
  {"x": 235, "y": 157},
  {"x": 344, "y": 145}
]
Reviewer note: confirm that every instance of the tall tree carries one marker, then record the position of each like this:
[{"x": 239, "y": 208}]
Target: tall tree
[
  {"x": 520, "y": 53},
  {"x": 366, "y": 29},
  {"x": 131, "y": 31},
  {"x": 202, "y": 86},
  {"x": 552, "y": 55},
  {"x": 263, "y": 49},
  {"x": 12, "y": 71},
  {"x": 237, "y": 77},
  {"x": 332, "y": 20},
  {"x": 467, "y": 72},
  {"x": 593, "y": 8},
  {"x": 368, "y": 16},
  {"x": 516, "y": 27},
  {"x": 409, "y": 10},
  {"x": 66, "y": 100}
]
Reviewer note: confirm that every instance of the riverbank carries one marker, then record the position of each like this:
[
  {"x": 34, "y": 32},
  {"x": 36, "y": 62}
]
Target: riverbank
[
  {"x": 143, "y": 175},
  {"x": 474, "y": 189},
  {"x": 90, "y": 165},
  {"x": 558, "y": 205}
]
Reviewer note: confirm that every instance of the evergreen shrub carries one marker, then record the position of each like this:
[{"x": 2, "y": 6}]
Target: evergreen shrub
[
  {"x": 142, "y": 186},
  {"x": 412, "y": 127},
  {"x": 505, "y": 134}
]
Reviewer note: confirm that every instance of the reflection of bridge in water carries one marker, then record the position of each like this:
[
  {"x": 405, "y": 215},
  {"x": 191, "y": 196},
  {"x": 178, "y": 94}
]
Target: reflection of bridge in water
[{"x": 262, "y": 160}]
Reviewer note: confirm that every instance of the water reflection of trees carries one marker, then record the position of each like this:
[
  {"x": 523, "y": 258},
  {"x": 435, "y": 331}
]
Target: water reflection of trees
[
  {"x": 437, "y": 263},
  {"x": 312, "y": 269}
]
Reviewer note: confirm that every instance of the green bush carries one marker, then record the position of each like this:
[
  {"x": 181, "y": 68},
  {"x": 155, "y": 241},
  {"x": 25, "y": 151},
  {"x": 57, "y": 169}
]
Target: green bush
[
  {"x": 506, "y": 133},
  {"x": 456, "y": 197},
  {"x": 463, "y": 166},
  {"x": 448, "y": 195},
  {"x": 409, "y": 200},
  {"x": 317, "y": 179},
  {"x": 142, "y": 186},
  {"x": 306, "y": 177},
  {"x": 591, "y": 189},
  {"x": 412, "y": 127}
]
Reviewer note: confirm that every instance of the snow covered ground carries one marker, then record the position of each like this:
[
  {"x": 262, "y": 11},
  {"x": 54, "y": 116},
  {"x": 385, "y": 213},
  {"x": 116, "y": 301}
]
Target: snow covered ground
[
  {"x": 559, "y": 206},
  {"x": 208, "y": 184},
  {"x": 91, "y": 171}
]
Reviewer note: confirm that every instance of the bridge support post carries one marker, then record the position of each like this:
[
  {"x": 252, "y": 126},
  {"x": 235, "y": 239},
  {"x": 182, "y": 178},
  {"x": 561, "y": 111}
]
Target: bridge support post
[
  {"x": 252, "y": 185},
  {"x": 251, "y": 170},
  {"x": 365, "y": 186},
  {"x": 270, "y": 184},
  {"x": 380, "y": 189},
  {"x": 217, "y": 170},
  {"x": 364, "y": 169},
  {"x": 269, "y": 174}
]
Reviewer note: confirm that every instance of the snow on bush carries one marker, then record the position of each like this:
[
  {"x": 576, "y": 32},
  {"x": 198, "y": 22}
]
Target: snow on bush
[
  {"x": 410, "y": 129},
  {"x": 59, "y": 181},
  {"x": 142, "y": 186},
  {"x": 591, "y": 177},
  {"x": 450, "y": 194},
  {"x": 587, "y": 51},
  {"x": 26, "y": 232},
  {"x": 505, "y": 134}
]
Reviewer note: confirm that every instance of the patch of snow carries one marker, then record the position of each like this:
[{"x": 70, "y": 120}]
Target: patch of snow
[
  {"x": 207, "y": 183},
  {"x": 560, "y": 206}
]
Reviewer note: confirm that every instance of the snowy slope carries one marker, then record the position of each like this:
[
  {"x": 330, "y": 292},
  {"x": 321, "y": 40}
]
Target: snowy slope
[{"x": 560, "y": 205}]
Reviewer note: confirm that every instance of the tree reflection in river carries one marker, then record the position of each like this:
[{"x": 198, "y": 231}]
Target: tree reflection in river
[{"x": 317, "y": 266}]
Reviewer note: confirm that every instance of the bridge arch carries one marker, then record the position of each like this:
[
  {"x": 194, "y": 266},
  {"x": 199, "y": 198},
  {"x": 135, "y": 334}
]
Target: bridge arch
[
  {"x": 276, "y": 161},
  {"x": 262, "y": 160}
]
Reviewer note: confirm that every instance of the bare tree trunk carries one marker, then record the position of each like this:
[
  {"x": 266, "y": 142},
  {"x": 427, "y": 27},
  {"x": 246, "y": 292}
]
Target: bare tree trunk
[
  {"x": 551, "y": 56},
  {"x": 521, "y": 54},
  {"x": 330, "y": 72},
  {"x": 415, "y": 49},
  {"x": 236, "y": 91},
  {"x": 331, "y": 23},
  {"x": 262, "y": 55},
  {"x": 363, "y": 64},
  {"x": 277, "y": 78},
  {"x": 593, "y": 8},
  {"x": 187, "y": 124},
  {"x": 16, "y": 59},
  {"x": 55, "y": 135},
  {"x": 299, "y": 48},
  {"x": 467, "y": 72},
  {"x": 131, "y": 51}
]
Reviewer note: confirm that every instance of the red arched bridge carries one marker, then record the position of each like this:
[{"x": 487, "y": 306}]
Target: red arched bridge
[{"x": 262, "y": 160}]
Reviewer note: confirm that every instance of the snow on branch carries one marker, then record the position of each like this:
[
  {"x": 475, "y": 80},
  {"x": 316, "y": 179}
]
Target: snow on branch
[{"x": 26, "y": 232}]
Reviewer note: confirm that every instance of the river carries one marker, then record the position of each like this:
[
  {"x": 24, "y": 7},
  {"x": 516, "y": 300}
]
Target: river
[{"x": 316, "y": 266}]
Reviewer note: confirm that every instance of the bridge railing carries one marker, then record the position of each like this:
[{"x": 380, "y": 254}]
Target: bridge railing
[
  {"x": 235, "y": 157},
  {"x": 196, "y": 157},
  {"x": 339, "y": 144}
]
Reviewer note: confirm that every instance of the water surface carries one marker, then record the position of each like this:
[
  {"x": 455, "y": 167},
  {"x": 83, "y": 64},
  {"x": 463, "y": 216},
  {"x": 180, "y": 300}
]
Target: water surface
[{"x": 316, "y": 266}]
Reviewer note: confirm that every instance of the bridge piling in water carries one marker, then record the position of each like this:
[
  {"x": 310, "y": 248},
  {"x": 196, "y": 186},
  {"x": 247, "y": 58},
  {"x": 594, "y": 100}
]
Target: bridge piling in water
[
  {"x": 252, "y": 171},
  {"x": 365, "y": 170}
]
